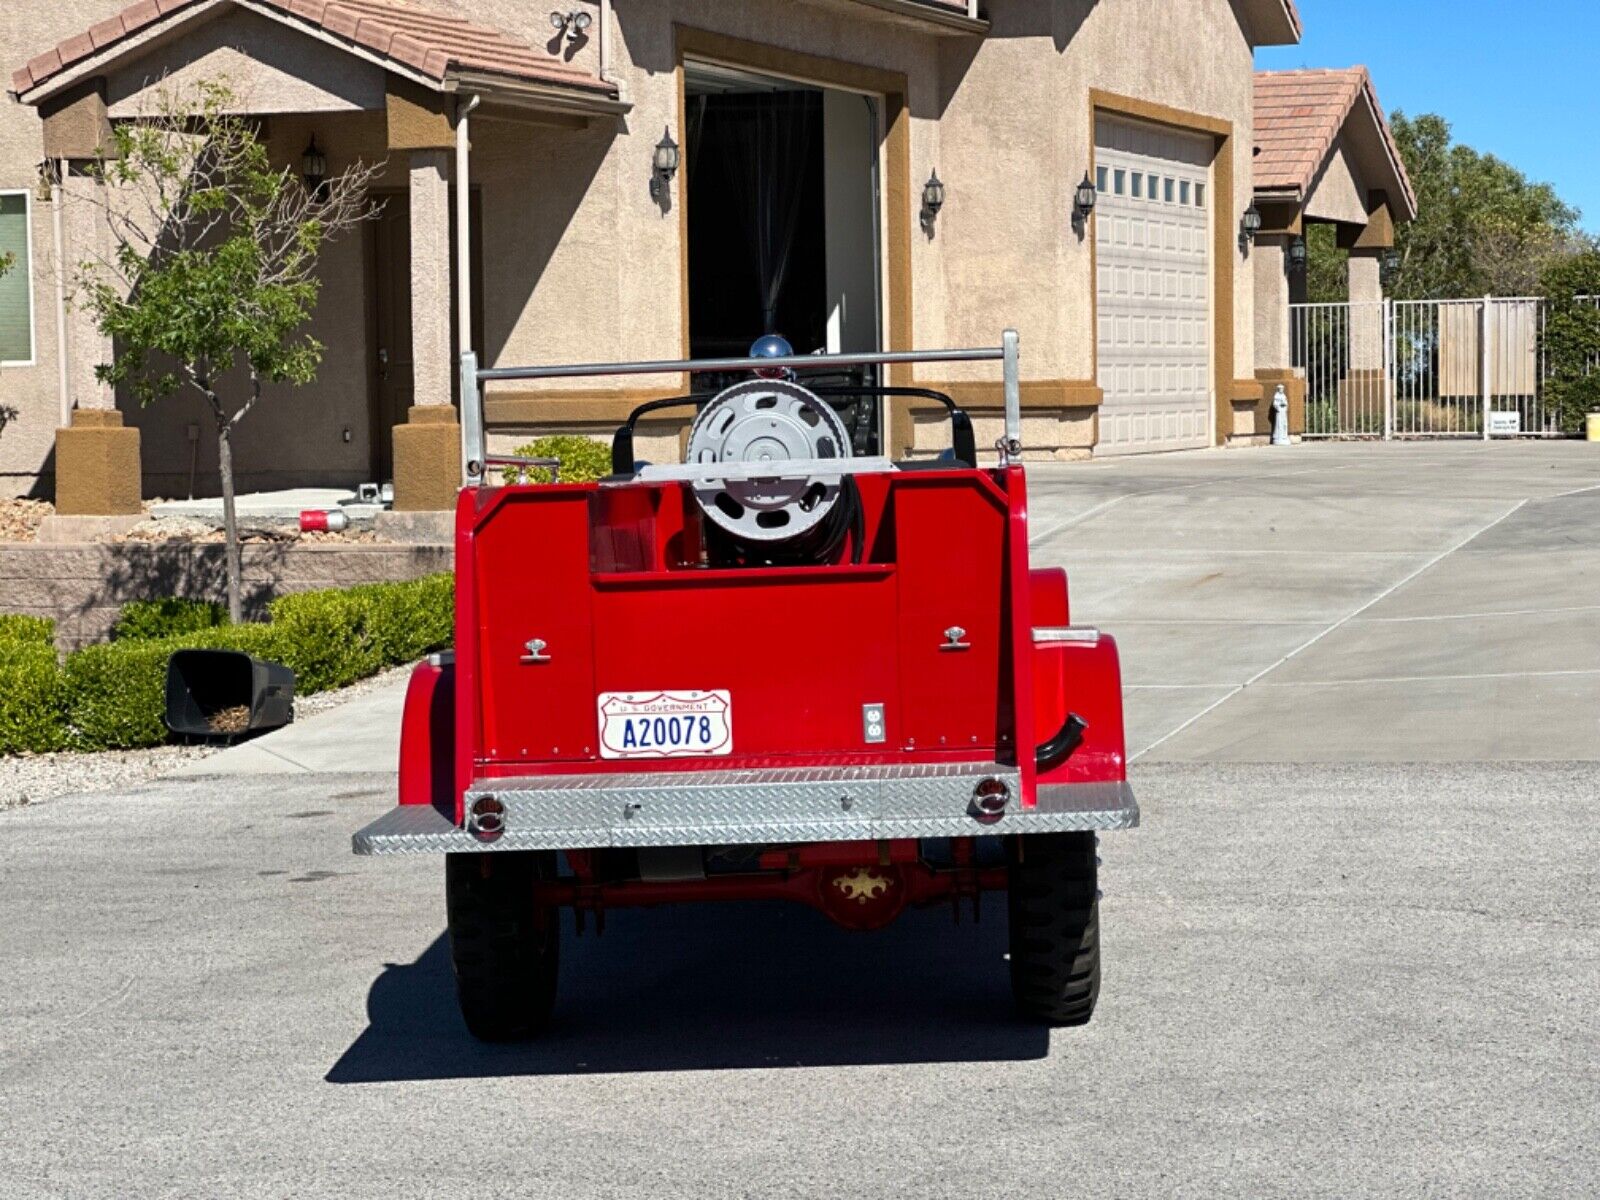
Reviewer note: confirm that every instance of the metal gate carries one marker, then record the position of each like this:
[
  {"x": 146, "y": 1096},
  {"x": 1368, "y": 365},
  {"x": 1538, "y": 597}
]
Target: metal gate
[{"x": 1423, "y": 368}]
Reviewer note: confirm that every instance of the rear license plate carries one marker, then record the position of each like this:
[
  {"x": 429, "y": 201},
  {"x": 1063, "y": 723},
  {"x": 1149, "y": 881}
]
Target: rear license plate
[{"x": 665, "y": 724}]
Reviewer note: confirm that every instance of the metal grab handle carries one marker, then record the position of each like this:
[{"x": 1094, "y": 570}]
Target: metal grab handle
[{"x": 524, "y": 465}]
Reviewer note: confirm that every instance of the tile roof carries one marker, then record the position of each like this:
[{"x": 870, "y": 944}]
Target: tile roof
[
  {"x": 420, "y": 40},
  {"x": 1298, "y": 117}
]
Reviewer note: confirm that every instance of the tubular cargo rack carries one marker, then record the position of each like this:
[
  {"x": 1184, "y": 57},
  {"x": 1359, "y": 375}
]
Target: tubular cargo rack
[{"x": 475, "y": 458}]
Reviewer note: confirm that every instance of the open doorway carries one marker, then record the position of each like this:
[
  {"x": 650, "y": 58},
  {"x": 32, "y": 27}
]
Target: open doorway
[{"x": 782, "y": 197}]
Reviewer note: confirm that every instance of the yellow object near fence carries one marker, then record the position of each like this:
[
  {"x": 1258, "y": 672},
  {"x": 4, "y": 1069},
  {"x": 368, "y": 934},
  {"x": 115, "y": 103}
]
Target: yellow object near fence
[{"x": 1591, "y": 427}]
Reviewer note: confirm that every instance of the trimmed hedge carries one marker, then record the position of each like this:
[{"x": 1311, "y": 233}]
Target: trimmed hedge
[
  {"x": 111, "y": 696},
  {"x": 29, "y": 631},
  {"x": 32, "y": 698},
  {"x": 143, "y": 620}
]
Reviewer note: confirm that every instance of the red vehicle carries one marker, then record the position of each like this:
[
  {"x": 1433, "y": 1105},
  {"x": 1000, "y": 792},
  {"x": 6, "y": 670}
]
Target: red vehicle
[{"x": 786, "y": 668}]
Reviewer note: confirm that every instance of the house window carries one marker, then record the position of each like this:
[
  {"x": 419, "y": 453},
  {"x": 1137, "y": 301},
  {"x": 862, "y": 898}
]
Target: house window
[
  {"x": 1138, "y": 185},
  {"x": 1183, "y": 192},
  {"x": 1122, "y": 181},
  {"x": 1166, "y": 192},
  {"x": 1155, "y": 187},
  {"x": 1101, "y": 176},
  {"x": 1199, "y": 195},
  {"x": 16, "y": 285}
]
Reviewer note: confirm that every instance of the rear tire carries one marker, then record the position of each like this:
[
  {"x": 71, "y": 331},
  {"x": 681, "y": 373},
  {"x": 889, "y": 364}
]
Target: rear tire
[
  {"x": 504, "y": 947},
  {"x": 1054, "y": 915}
]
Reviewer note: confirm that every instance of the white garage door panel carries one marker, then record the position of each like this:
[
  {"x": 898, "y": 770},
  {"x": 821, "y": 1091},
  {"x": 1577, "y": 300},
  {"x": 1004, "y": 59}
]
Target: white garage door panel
[{"x": 1153, "y": 260}]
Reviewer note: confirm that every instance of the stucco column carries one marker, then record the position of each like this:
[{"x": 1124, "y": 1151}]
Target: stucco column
[
  {"x": 427, "y": 456},
  {"x": 1366, "y": 310},
  {"x": 1269, "y": 258},
  {"x": 1275, "y": 288},
  {"x": 97, "y": 463},
  {"x": 1361, "y": 398}
]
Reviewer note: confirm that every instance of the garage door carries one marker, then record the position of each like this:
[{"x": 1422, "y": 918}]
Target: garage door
[{"x": 1153, "y": 267}]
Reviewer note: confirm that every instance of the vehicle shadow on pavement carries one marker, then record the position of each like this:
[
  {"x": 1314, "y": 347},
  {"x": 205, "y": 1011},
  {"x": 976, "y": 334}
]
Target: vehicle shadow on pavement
[{"x": 717, "y": 987}]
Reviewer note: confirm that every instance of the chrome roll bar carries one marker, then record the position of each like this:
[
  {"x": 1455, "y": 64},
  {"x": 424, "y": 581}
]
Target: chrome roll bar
[{"x": 474, "y": 437}]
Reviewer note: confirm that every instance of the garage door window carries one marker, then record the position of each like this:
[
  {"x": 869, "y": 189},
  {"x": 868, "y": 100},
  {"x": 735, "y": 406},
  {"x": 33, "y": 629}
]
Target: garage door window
[{"x": 16, "y": 285}]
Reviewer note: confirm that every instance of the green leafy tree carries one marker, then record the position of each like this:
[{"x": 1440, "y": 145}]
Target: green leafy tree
[
  {"x": 211, "y": 276},
  {"x": 1482, "y": 226},
  {"x": 7, "y": 261},
  {"x": 1572, "y": 338}
]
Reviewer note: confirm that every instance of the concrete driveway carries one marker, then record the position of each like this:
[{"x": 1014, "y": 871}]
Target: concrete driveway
[
  {"x": 1342, "y": 603},
  {"x": 1322, "y": 978}
]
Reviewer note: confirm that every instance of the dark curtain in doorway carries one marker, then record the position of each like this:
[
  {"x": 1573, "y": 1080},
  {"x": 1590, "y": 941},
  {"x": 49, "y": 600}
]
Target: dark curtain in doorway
[{"x": 754, "y": 162}]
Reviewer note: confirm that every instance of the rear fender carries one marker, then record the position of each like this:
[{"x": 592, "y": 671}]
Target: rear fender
[
  {"x": 1082, "y": 677},
  {"x": 427, "y": 737}
]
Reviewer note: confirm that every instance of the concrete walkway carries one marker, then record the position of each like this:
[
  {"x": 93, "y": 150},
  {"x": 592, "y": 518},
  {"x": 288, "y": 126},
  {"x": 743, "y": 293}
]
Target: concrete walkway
[{"x": 362, "y": 735}]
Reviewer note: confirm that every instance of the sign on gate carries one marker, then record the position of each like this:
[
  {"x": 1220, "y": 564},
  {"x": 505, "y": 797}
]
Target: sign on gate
[{"x": 1505, "y": 424}]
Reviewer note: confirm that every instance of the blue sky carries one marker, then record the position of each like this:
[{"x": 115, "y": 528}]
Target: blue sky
[{"x": 1517, "y": 78}]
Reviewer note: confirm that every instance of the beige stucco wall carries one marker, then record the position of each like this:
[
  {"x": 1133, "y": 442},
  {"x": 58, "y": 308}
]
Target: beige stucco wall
[
  {"x": 268, "y": 69},
  {"x": 580, "y": 263},
  {"x": 1338, "y": 193}
]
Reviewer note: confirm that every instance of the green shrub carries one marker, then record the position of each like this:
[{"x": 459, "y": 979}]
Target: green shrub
[
  {"x": 146, "y": 619},
  {"x": 16, "y": 629},
  {"x": 583, "y": 460},
  {"x": 408, "y": 620},
  {"x": 324, "y": 638},
  {"x": 1572, "y": 339},
  {"x": 116, "y": 693},
  {"x": 32, "y": 699}
]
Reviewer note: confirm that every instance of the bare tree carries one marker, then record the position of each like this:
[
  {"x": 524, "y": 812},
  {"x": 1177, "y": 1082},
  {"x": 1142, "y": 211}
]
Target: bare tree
[{"x": 212, "y": 264}]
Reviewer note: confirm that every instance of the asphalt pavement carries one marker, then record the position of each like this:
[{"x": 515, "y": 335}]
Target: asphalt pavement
[{"x": 1352, "y": 951}]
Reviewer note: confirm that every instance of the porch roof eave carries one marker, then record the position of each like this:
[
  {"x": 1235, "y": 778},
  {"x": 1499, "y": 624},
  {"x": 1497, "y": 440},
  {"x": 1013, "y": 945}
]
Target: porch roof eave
[{"x": 530, "y": 96}]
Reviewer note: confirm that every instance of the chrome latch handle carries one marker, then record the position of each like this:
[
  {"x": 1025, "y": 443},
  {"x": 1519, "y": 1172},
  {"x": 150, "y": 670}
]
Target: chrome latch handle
[
  {"x": 953, "y": 639},
  {"x": 535, "y": 648}
]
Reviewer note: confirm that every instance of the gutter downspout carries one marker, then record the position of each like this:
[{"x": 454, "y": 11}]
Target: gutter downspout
[
  {"x": 63, "y": 389},
  {"x": 464, "y": 228}
]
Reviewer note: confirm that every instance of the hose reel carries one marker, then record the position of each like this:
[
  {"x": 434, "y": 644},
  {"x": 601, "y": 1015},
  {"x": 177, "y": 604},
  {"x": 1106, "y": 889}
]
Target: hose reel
[{"x": 768, "y": 421}]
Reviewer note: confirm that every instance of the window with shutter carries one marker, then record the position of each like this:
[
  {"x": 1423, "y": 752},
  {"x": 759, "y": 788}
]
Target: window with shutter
[{"x": 16, "y": 285}]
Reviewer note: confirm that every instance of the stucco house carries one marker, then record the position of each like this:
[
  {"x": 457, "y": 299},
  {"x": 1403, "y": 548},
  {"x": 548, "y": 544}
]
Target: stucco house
[{"x": 1144, "y": 321}]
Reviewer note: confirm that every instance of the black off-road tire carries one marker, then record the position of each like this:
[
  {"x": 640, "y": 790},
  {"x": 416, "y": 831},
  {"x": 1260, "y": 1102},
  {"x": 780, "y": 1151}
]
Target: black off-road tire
[
  {"x": 1055, "y": 927},
  {"x": 504, "y": 947}
]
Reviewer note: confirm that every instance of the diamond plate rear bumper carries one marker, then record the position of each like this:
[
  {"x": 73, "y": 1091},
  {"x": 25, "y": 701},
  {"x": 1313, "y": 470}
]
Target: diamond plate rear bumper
[{"x": 585, "y": 812}]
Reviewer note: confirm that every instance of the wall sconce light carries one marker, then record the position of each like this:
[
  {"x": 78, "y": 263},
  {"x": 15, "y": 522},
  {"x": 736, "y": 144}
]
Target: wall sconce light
[
  {"x": 932, "y": 200},
  {"x": 663, "y": 164},
  {"x": 45, "y": 188},
  {"x": 1250, "y": 224},
  {"x": 571, "y": 24},
  {"x": 1298, "y": 254},
  {"x": 1390, "y": 266},
  {"x": 314, "y": 168},
  {"x": 1083, "y": 199}
]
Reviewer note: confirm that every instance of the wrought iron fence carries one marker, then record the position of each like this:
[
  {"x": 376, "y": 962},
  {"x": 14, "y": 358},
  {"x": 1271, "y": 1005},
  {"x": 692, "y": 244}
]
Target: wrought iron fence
[{"x": 1424, "y": 368}]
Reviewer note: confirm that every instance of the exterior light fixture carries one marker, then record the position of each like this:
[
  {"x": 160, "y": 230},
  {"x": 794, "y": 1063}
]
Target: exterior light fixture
[
  {"x": 932, "y": 198},
  {"x": 664, "y": 164},
  {"x": 1083, "y": 199},
  {"x": 45, "y": 188},
  {"x": 571, "y": 24},
  {"x": 1250, "y": 224},
  {"x": 1390, "y": 266},
  {"x": 1298, "y": 254},
  {"x": 314, "y": 168}
]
